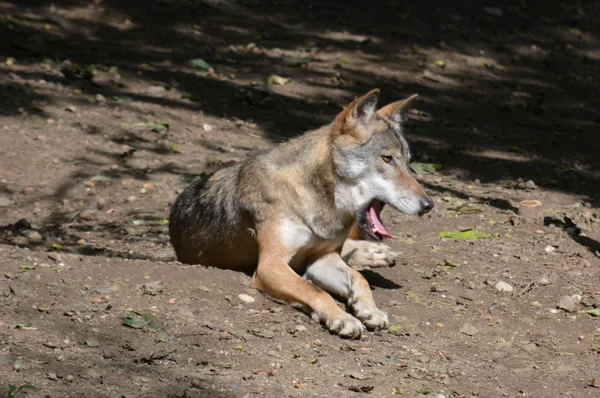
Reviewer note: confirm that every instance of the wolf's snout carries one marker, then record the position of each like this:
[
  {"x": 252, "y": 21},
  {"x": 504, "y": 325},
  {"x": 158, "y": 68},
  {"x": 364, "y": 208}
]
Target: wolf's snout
[{"x": 426, "y": 206}]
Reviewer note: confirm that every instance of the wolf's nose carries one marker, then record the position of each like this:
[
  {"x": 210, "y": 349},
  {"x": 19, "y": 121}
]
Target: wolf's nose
[{"x": 426, "y": 206}]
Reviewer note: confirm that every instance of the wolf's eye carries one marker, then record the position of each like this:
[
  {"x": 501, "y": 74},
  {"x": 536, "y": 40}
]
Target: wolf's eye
[{"x": 387, "y": 158}]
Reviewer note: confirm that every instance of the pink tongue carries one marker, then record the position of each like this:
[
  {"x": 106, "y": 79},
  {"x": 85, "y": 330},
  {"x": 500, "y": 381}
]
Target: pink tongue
[{"x": 378, "y": 227}]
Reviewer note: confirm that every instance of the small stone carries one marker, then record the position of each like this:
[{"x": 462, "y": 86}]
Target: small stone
[
  {"x": 101, "y": 203},
  {"x": 33, "y": 236},
  {"x": 90, "y": 184},
  {"x": 504, "y": 287},
  {"x": 543, "y": 281},
  {"x": 52, "y": 376},
  {"x": 536, "y": 304},
  {"x": 5, "y": 200},
  {"x": 100, "y": 98},
  {"x": 469, "y": 329},
  {"x": 81, "y": 242},
  {"x": 94, "y": 374},
  {"x": 549, "y": 249},
  {"x": 148, "y": 185},
  {"x": 567, "y": 303},
  {"x": 172, "y": 301},
  {"x": 530, "y": 185},
  {"x": 207, "y": 127},
  {"x": 131, "y": 199},
  {"x": 300, "y": 328},
  {"x": 246, "y": 298},
  {"x": 69, "y": 378}
]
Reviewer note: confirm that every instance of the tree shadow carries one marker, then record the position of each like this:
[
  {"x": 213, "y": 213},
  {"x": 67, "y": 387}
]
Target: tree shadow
[{"x": 515, "y": 99}]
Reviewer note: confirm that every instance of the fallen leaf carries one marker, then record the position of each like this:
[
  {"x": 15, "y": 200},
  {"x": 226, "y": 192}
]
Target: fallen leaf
[
  {"x": 91, "y": 342},
  {"x": 594, "y": 312},
  {"x": 200, "y": 64},
  {"x": 396, "y": 329},
  {"x": 423, "y": 390},
  {"x": 440, "y": 64},
  {"x": 422, "y": 168},
  {"x": 465, "y": 208},
  {"x": 469, "y": 234},
  {"x": 159, "y": 127},
  {"x": 277, "y": 80},
  {"x": 122, "y": 98}
]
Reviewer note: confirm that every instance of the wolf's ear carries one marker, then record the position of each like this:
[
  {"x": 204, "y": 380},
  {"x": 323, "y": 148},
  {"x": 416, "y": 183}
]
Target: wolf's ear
[
  {"x": 394, "y": 110},
  {"x": 364, "y": 107},
  {"x": 353, "y": 120}
]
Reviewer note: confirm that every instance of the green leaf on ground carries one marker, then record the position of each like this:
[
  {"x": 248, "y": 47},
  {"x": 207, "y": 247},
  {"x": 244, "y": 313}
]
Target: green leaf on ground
[
  {"x": 469, "y": 234},
  {"x": 91, "y": 342},
  {"x": 25, "y": 326},
  {"x": 57, "y": 246},
  {"x": 465, "y": 208},
  {"x": 122, "y": 98},
  {"x": 200, "y": 64},
  {"x": 159, "y": 127},
  {"x": 440, "y": 64},
  {"x": 594, "y": 312},
  {"x": 398, "y": 390},
  {"x": 146, "y": 322},
  {"x": 422, "y": 168}
]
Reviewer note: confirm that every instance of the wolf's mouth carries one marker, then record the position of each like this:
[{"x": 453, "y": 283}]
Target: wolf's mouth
[{"x": 369, "y": 222}]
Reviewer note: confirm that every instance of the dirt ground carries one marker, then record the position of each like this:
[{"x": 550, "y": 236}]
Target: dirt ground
[{"x": 104, "y": 120}]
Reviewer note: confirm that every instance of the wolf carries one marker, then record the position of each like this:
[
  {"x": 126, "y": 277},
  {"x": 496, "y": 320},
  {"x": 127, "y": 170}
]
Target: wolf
[{"x": 284, "y": 216}]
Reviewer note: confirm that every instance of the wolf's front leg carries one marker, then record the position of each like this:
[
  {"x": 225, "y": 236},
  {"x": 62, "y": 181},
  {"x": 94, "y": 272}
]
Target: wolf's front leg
[
  {"x": 364, "y": 254},
  {"x": 332, "y": 274},
  {"x": 274, "y": 277}
]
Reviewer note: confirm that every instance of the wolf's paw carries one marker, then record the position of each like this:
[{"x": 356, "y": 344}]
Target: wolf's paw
[
  {"x": 345, "y": 325},
  {"x": 371, "y": 317},
  {"x": 363, "y": 254}
]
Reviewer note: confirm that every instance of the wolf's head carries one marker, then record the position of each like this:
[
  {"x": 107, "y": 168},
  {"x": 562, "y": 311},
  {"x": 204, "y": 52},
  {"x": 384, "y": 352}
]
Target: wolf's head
[{"x": 370, "y": 156}]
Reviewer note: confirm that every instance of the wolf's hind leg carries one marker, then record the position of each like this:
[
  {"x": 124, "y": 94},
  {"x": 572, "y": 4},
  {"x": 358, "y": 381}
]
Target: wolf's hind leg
[{"x": 333, "y": 275}]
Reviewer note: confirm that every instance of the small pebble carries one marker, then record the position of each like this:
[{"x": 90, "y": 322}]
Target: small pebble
[
  {"x": 172, "y": 301},
  {"x": 300, "y": 328},
  {"x": 543, "y": 281},
  {"x": 549, "y": 249},
  {"x": 131, "y": 199},
  {"x": 207, "y": 127},
  {"x": 567, "y": 303},
  {"x": 81, "y": 242},
  {"x": 246, "y": 298},
  {"x": 69, "y": 378},
  {"x": 504, "y": 287},
  {"x": 33, "y": 236}
]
